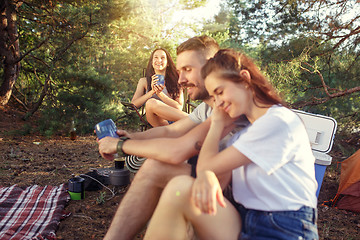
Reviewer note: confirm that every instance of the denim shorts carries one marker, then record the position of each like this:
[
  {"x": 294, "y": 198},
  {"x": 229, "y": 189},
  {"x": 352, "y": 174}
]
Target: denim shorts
[{"x": 287, "y": 225}]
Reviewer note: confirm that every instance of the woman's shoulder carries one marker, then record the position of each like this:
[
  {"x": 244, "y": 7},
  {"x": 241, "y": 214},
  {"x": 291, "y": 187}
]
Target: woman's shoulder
[
  {"x": 283, "y": 116},
  {"x": 279, "y": 111},
  {"x": 275, "y": 117},
  {"x": 283, "y": 111},
  {"x": 142, "y": 82}
]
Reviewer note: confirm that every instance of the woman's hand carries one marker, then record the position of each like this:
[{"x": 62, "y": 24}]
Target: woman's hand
[
  {"x": 154, "y": 80},
  {"x": 158, "y": 89},
  {"x": 206, "y": 191},
  {"x": 221, "y": 118}
]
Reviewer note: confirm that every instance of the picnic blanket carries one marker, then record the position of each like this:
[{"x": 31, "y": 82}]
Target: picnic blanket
[{"x": 31, "y": 213}]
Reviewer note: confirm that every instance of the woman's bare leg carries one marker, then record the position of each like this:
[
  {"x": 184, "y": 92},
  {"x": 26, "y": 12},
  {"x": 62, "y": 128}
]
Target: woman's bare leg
[
  {"x": 176, "y": 209},
  {"x": 159, "y": 113}
]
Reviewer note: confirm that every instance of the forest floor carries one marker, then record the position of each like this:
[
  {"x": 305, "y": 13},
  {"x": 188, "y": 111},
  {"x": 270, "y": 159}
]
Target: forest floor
[{"x": 34, "y": 159}]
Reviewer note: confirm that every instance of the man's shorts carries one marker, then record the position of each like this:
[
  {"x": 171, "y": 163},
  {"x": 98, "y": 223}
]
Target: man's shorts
[{"x": 193, "y": 161}]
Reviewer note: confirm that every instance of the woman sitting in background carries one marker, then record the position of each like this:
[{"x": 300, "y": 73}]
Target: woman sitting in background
[
  {"x": 163, "y": 102},
  {"x": 270, "y": 160}
]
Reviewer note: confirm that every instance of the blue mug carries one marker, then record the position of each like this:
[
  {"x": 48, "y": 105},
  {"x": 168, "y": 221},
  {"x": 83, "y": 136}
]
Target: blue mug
[
  {"x": 161, "y": 79},
  {"x": 106, "y": 128}
]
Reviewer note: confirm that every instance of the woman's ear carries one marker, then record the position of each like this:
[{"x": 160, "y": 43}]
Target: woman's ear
[{"x": 245, "y": 75}]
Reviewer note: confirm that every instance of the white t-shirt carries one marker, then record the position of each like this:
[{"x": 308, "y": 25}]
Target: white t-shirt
[
  {"x": 282, "y": 174},
  {"x": 200, "y": 113}
]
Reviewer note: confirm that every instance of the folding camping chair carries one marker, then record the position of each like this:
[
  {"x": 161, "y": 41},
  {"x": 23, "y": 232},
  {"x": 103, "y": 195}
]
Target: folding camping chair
[
  {"x": 140, "y": 112},
  {"x": 188, "y": 106}
]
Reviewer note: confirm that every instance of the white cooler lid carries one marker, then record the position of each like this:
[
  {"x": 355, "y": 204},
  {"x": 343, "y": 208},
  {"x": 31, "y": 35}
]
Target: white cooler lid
[
  {"x": 321, "y": 130},
  {"x": 322, "y": 158}
]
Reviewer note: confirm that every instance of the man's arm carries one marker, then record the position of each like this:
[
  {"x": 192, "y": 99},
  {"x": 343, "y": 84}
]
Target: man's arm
[
  {"x": 176, "y": 129},
  {"x": 173, "y": 150},
  {"x": 108, "y": 145},
  {"x": 170, "y": 150}
]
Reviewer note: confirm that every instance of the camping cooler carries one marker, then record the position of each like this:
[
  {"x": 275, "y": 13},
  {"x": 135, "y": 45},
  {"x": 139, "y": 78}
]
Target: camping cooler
[{"x": 321, "y": 131}]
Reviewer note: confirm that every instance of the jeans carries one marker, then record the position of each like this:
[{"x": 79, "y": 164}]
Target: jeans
[{"x": 287, "y": 225}]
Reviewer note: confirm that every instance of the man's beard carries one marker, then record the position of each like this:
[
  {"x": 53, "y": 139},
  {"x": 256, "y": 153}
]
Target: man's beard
[
  {"x": 200, "y": 95},
  {"x": 197, "y": 94}
]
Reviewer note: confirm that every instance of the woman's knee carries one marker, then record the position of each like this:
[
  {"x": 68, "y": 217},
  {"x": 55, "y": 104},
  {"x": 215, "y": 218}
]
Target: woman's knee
[
  {"x": 151, "y": 104},
  {"x": 181, "y": 182},
  {"x": 179, "y": 188}
]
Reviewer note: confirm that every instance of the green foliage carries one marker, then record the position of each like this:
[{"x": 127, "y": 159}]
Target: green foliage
[
  {"x": 84, "y": 93},
  {"x": 298, "y": 81},
  {"x": 86, "y": 56},
  {"x": 276, "y": 22},
  {"x": 297, "y": 45},
  {"x": 25, "y": 130},
  {"x": 128, "y": 120},
  {"x": 100, "y": 200}
]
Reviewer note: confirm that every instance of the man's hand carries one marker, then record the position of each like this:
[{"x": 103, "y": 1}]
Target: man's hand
[
  {"x": 107, "y": 147},
  {"x": 122, "y": 133}
]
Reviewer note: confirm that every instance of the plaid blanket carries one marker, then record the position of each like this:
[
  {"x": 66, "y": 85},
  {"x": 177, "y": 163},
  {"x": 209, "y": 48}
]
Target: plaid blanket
[{"x": 31, "y": 213}]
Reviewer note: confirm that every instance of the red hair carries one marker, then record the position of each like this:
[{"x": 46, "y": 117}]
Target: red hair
[{"x": 228, "y": 63}]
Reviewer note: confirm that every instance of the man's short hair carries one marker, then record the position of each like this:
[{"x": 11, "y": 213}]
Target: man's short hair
[{"x": 205, "y": 45}]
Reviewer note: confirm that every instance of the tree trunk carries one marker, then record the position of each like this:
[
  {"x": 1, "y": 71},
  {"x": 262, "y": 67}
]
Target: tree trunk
[{"x": 9, "y": 48}]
